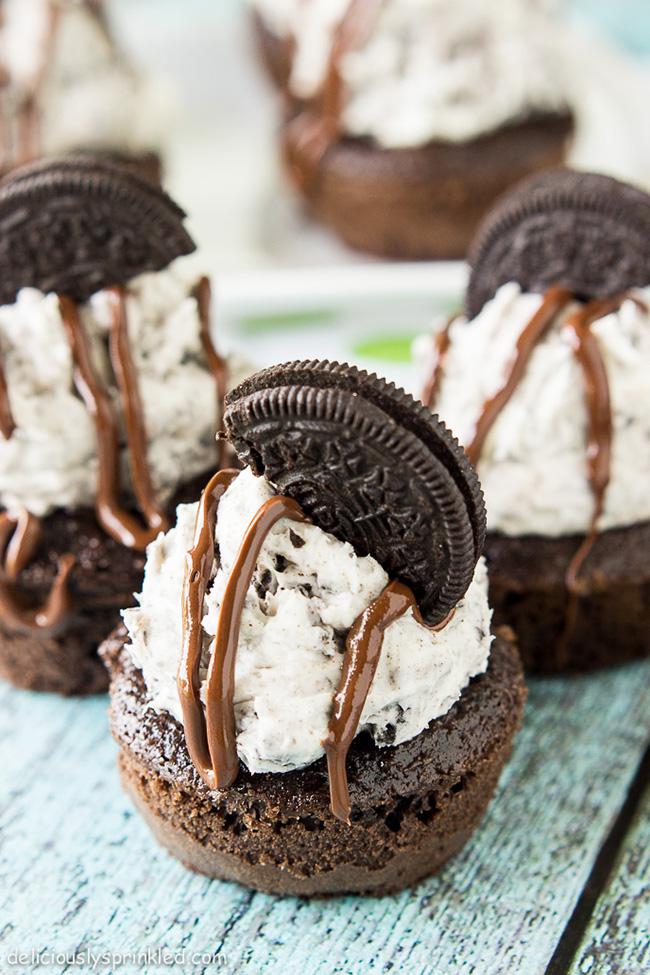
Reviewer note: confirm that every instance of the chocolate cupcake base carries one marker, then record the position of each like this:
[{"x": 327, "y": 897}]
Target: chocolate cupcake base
[
  {"x": 424, "y": 202},
  {"x": 103, "y": 581},
  {"x": 528, "y": 592},
  {"x": 413, "y": 805}
]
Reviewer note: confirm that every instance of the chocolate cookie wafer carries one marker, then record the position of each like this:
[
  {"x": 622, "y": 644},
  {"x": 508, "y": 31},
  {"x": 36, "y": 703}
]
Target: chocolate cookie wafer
[
  {"x": 369, "y": 465},
  {"x": 584, "y": 232}
]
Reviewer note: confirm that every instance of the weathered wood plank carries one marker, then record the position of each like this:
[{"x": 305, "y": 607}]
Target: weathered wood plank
[
  {"x": 617, "y": 940},
  {"x": 78, "y": 869}
]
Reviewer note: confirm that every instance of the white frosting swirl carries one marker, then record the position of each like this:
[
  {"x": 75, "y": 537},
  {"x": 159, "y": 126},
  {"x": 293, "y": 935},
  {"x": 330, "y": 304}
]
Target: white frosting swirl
[
  {"x": 50, "y": 460},
  {"x": 432, "y": 69},
  {"x": 291, "y": 639},
  {"x": 533, "y": 467}
]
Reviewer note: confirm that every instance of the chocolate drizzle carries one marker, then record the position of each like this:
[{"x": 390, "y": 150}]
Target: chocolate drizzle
[
  {"x": 216, "y": 736},
  {"x": 317, "y": 124},
  {"x": 200, "y": 560},
  {"x": 136, "y": 435},
  {"x": 7, "y": 423},
  {"x": 118, "y": 523},
  {"x": 587, "y": 352},
  {"x": 216, "y": 363},
  {"x": 363, "y": 647},
  {"x": 211, "y": 739},
  {"x": 20, "y": 532},
  {"x": 555, "y": 301}
]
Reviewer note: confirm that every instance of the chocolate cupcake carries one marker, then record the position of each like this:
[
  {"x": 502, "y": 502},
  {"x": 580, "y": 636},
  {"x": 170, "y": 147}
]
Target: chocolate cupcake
[
  {"x": 109, "y": 403},
  {"x": 545, "y": 379},
  {"x": 403, "y": 125},
  {"x": 66, "y": 86},
  {"x": 308, "y": 699}
]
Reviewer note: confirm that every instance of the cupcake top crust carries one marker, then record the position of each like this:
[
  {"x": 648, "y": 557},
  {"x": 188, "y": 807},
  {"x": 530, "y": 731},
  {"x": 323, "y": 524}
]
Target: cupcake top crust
[
  {"x": 418, "y": 70},
  {"x": 351, "y": 466}
]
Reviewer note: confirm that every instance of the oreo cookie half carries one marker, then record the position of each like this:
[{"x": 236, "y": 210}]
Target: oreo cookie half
[
  {"x": 371, "y": 466},
  {"x": 80, "y": 223},
  {"x": 582, "y": 231}
]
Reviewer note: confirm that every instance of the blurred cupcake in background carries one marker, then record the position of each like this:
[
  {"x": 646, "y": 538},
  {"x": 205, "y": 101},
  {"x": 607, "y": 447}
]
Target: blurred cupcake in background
[
  {"x": 405, "y": 120},
  {"x": 66, "y": 86}
]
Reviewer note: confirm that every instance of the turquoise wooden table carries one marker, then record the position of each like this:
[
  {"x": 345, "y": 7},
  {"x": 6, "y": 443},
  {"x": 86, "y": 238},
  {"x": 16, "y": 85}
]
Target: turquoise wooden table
[{"x": 556, "y": 881}]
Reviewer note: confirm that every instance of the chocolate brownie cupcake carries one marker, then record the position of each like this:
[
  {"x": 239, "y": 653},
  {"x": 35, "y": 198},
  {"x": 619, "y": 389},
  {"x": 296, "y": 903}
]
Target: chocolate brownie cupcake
[
  {"x": 327, "y": 711},
  {"x": 403, "y": 125},
  {"x": 545, "y": 379},
  {"x": 109, "y": 404},
  {"x": 66, "y": 86}
]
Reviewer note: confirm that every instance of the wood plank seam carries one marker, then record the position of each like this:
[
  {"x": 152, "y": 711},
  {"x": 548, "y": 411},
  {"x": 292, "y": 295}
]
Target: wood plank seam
[{"x": 571, "y": 938}]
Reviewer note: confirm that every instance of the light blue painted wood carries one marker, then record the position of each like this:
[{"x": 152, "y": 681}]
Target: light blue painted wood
[
  {"x": 78, "y": 869},
  {"x": 618, "y": 937}
]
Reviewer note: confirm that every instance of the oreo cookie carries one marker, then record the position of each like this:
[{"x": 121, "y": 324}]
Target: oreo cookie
[
  {"x": 80, "y": 223},
  {"x": 371, "y": 466},
  {"x": 582, "y": 231}
]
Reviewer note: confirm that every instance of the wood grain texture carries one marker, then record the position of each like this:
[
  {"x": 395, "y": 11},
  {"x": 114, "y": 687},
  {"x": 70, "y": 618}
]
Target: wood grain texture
[
  {"x": 617, "y": 940},
  {"x": 78, "y": 868}
]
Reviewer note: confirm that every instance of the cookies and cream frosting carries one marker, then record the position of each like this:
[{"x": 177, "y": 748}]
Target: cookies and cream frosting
[
  {"x": 307, "y": 590},
  {"x": 87, "y": 95},
  {"x": 430, "y": 69},
  {"x": 50, "y": 460},
  {"x": 533, "y": 463}
]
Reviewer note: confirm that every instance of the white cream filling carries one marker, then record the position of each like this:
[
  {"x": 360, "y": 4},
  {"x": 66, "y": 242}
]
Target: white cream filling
[
  {"x": 533, "y": 467},
  {"x": 432, "y": 69},
  {"x": 292, "y": 636},
  {"x": 50, "y": 461}
]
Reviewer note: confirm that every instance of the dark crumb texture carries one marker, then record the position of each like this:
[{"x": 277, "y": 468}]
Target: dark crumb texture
[
  {"x": 413, "y": 806},
  {"x": 528, "y": 592},
  {"x": 105, "y": 577}
]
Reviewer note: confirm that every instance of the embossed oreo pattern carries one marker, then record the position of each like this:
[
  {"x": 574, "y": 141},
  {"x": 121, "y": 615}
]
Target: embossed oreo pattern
[
  {"x": 369, "y": 465},
  {"x": 77, "y": 224},
  {"x": 582, "y": 231}
]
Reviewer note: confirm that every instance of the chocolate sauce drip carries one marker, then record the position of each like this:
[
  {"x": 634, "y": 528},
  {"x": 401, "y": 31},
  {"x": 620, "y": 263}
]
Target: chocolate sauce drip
[
  {"x": 136, "y": 435},
  {"x": 308, "y": 135},
  {"x": 363, "y": 648},
  {"x": 20, "y": 532},
  {"x": 441, "y": 344},
  {"x": 200, "y": 560},
  {"x": 7, "y": 423},
  {"x": 555, "y": 301},
  {"x": 114, "y": 520},
  {"x": 599, "y": 448},
  {"x": 588, "y": 354},
  {"x": 220, "y": 713},
  {"x": 216, "y": 363}
]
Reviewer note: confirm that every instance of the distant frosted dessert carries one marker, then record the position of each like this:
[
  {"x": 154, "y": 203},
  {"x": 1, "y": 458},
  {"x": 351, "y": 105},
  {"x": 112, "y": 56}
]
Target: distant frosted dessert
[
  {"x": 110, "y": 399},
  {"x": 405, "y": 120},
  {"x": 544, "y": 379},
  {"x": 308, "y": 698},
  {"x": 66, "y": 86}
]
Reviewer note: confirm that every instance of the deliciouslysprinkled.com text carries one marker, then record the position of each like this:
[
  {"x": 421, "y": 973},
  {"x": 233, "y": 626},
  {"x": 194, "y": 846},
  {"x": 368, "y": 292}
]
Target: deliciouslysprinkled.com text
[{"x": 96, "y": 960}]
